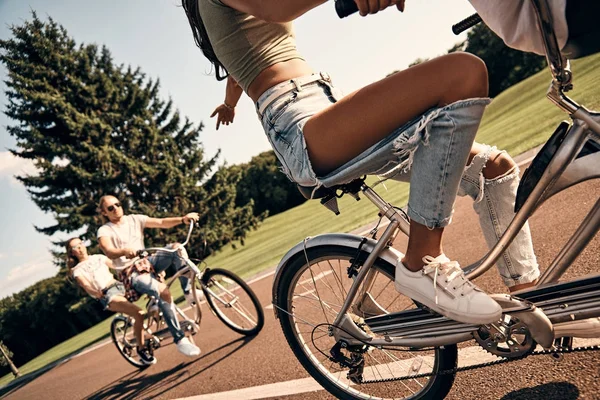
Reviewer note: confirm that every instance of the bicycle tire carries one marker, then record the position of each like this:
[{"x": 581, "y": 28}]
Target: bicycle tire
[
  {"x": 290, "y": 304},
  {"x": 119, "y": 339},
  {"x": 251, "y": 320}
]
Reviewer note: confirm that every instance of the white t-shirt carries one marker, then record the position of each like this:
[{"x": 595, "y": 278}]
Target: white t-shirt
[
  {"x": 515, "y": 22},
  {"x": 128, "y": 233},
  {"x": 95, "y": 271}
]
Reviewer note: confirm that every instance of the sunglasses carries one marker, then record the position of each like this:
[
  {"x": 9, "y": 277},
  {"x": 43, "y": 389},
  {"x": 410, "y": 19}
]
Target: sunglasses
[{"x": 112, "y": 207}]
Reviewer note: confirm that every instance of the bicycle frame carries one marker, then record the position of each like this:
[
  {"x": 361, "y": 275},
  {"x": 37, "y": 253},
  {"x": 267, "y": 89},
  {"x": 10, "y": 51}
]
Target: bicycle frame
[
  {"x": 561, "y": 173},
  {"x": 191, "y": 266}
]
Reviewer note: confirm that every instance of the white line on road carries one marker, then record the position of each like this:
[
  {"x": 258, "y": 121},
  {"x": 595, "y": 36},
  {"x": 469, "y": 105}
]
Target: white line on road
[{"x": 466, "y": 357}]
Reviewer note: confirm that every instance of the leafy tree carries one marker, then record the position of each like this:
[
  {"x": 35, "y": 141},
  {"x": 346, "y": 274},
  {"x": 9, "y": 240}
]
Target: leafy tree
[
  {"x": 263, "y": 183},
  {"x": 93, "y": 127}
]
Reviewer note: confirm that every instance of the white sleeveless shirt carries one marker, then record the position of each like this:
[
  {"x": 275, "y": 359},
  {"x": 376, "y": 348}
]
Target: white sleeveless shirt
[{"x": 95, "y": 271}]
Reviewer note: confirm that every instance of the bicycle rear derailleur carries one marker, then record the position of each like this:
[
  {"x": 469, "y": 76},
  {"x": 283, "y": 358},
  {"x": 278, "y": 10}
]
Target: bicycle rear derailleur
[{"x": 355, "y": 363}]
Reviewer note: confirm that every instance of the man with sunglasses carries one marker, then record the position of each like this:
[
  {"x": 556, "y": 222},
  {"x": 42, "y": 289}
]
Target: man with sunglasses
[{"x": 122, "y": 236}]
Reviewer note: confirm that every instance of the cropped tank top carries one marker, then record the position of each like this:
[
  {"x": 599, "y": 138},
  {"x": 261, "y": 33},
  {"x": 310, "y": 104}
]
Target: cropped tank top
[{"x": 244, "y": 44}]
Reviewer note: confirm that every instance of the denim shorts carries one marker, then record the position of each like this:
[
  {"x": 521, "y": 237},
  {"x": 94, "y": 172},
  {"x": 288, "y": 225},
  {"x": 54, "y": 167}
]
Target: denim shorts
[
  {"x": 438, "y": 141},
  {"x": 115, "y": 290},
  {"x": 284, "y": 118}
]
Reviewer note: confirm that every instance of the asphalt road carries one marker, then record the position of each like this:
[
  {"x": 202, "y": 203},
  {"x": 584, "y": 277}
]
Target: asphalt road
[{"x": 230, "y": 362}]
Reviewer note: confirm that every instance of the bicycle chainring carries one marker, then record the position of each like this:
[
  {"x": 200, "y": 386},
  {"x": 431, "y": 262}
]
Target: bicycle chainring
[{"x": 509, "y": 339}]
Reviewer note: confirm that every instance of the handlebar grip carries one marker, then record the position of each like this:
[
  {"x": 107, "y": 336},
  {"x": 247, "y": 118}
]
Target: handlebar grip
[
  {"x": 466, "y": 24},
  {"x": 343, "y": 8}
]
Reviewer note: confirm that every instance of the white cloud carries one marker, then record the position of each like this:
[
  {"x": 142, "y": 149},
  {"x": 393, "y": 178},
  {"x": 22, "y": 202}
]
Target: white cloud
[
  {"x": 11, "y": 166},
  {"x": 27, "y": 274}
]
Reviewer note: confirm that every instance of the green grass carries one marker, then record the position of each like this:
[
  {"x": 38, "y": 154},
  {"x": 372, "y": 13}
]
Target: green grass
[{"x": 517, "y": 120}]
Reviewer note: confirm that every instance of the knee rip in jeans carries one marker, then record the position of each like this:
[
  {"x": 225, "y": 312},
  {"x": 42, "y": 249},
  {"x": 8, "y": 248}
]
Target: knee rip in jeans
[{"x": 474, "y": 171}]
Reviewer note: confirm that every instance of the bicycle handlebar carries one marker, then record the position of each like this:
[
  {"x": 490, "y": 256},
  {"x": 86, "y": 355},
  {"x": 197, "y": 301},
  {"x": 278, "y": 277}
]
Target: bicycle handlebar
[
  {"x": 466, "y": 23},
  {"x": 143, "y": 252},
  {"x": 344, "y": 8}
]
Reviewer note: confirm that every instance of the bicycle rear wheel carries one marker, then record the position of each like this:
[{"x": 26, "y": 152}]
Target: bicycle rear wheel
[
  {"x": 121, "y": 331},
  {"x": 233, "y": 302},
  {"x": 310, "y": 294}
]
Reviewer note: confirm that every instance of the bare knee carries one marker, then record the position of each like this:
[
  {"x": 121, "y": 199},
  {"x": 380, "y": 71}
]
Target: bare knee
[
  {"x": 165, "y": 294},
  {"x": 499, "y": 163},
  {"x": 468, "y": 77}
]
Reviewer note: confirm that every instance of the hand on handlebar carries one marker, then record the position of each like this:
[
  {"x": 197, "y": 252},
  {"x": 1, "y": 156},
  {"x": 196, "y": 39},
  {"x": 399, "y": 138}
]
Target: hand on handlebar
[
  {"x": 191, "y": 217},
  {"x": 130, "y": 253},
  {"x": 366, "y": 7}
]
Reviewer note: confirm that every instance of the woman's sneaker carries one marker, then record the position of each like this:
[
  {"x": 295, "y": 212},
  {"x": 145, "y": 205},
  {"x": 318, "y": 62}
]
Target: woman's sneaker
[
  {"x": 442, "y": 286},
  {"x": 187, "y": 348},
  {"x": 146, "y": 356}
]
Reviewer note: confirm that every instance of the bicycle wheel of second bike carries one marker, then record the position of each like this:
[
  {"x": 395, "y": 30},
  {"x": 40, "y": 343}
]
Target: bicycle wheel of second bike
[
  {"x": 310, "y": 293},
  {"x": 121, "y": 331},
  {"x": 232, "y": 300}
]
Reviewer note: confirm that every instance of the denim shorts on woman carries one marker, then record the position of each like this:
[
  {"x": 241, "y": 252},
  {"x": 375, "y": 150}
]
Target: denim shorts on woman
[
  {"x": 285, "y": 108},
  {"x": 115, "y": 290}
]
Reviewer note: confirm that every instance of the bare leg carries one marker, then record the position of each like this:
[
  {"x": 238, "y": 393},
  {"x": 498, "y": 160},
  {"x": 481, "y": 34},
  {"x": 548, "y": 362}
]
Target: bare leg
[
  {"x": 165, "y": 294},
  {"x": 366, "y": 116},
  {"x": 122, "y": 305}
]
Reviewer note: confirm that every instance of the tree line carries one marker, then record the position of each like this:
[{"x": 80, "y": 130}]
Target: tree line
[{"x": 93, "y": 127}]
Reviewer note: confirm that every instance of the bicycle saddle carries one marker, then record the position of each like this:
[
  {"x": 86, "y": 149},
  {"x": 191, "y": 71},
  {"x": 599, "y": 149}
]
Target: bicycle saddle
[{"x": 309, "y": 192}]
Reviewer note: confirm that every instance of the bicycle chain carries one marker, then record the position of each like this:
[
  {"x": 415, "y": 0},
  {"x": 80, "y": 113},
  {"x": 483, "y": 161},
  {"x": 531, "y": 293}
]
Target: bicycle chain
[{"x": 483, "y": 365}]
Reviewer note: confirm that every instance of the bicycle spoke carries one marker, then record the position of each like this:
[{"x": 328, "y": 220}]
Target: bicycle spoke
[{"x": 316, "y": 297}]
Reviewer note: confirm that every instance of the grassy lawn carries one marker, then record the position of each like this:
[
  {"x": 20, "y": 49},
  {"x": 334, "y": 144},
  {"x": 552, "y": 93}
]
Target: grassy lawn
[{"x": 518, "y": 119}]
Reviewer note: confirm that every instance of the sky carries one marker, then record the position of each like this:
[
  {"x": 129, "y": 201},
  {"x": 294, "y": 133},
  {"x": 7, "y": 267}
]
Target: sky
[{"x": 155, "y": 35}]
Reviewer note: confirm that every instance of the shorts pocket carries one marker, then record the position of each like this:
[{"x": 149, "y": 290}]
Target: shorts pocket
[{"x": 279, "y": 107}]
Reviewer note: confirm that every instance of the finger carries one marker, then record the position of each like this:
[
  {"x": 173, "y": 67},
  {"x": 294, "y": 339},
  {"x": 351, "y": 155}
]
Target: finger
[
  {"x": 363, "y": 7},
  {"x": 383, "y": 4},
  {"x": 214, "y": 113},
  {"x": 218, "y": 123},
  {"x": 400, "y": 5},
  {"x": 373, "y": 6}
]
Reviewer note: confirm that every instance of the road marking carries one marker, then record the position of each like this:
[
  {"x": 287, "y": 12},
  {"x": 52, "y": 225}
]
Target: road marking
[{"x": 466, "y": 357}]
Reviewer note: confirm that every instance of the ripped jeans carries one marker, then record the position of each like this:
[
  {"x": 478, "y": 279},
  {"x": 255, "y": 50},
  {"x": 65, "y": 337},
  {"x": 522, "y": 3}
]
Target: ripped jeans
[{"x": 431, "y": 151}]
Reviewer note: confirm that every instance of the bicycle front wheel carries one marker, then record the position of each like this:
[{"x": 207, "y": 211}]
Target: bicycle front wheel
[
  {"x": 312, "y": 290},
  {"x": 233, "y": 302},
  {"x": 121, "y": 331}
]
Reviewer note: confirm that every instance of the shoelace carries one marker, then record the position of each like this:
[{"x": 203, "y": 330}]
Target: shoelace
[{"x": 452, "y": 271}]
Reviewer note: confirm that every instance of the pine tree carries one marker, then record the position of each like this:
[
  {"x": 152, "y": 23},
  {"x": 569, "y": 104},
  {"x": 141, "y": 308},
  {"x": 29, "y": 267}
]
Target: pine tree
[{"x": 93, "y": 127}]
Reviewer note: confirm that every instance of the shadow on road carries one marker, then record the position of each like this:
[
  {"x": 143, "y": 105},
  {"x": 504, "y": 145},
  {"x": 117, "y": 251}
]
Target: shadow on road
[
  {"x": 548, "y": 391},
  {"x": 137, "y": 385},
  {"x": 24, "y": 380}
]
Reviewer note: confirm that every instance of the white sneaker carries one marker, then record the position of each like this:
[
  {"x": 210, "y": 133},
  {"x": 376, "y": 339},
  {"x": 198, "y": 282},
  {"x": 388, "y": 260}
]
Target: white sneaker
[
  {"x": 187, "y": 348},
  {"x": 442, "y": 286}
]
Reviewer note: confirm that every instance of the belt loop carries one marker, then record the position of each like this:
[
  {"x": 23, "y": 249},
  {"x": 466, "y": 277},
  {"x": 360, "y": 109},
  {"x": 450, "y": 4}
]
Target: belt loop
[
  {"x": 325, "y": 76},
  {"x": 297, "y": 84}
]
